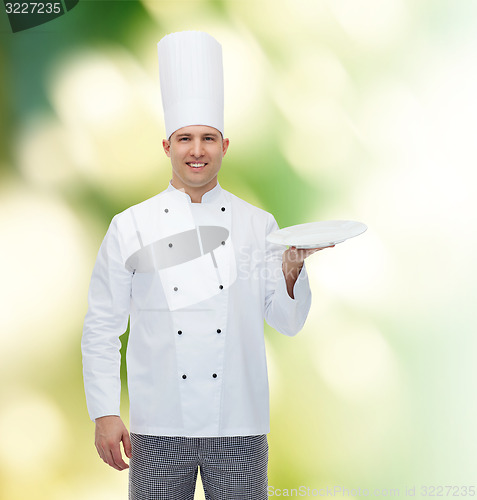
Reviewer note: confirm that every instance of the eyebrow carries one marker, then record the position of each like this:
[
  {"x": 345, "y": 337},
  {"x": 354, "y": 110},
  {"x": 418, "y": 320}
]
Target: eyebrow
[{"x": 207, "y": 134}]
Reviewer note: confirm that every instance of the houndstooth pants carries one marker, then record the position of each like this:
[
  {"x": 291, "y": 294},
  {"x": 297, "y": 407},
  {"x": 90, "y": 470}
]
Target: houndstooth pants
[{"x": 231, "y": 468}]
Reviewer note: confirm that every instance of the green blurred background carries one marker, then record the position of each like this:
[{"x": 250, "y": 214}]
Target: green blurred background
[{"x": 336, "y": 109}]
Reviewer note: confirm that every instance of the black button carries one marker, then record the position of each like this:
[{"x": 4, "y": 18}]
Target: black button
[
  {"x": 221, "y": 286},
  {"x": 219, "y": 330},
  {"x": 184, "y": 376},
  {"x": 166, "y": 210},
  {"x": 170, "y": 245},
  {"x": 223, "y": 242},
  {"x": 179, "y": 332},
  {"x": 214, "y": 375},
  {"x": 175, "y": 289},
  {"x": 223, "y": 209}
]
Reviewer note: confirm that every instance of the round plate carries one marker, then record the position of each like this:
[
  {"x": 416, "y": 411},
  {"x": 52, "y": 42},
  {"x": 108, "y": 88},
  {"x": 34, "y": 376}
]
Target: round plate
[{"x": 317, "y": 234}]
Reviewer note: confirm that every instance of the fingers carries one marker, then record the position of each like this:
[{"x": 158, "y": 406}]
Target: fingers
[
  {"x": 311, "y": 251},
  {"x": 306, "y": 252},
  {"x": 118, "y": 462},
  {"x": 127, "y": 444},
  {"x": 111, "y": 455}
]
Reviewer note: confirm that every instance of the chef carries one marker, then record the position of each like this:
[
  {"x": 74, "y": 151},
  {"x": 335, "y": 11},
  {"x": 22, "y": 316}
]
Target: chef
[{"x": 192, "y": 271}]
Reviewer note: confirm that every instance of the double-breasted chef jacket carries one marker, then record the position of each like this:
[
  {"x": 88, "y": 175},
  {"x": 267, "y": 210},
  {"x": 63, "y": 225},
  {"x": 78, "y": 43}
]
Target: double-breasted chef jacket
[{"x": 196, "y": 281}]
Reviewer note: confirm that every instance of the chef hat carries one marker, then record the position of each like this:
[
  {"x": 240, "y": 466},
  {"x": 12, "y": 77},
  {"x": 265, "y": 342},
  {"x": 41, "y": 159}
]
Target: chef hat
[{"x": 192, "y": 81}]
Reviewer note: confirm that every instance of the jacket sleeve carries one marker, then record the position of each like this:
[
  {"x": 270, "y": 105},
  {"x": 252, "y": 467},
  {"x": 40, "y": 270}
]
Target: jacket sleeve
[
  {"x": 107, "y": 318},
  {"x": 283, "y": 313}
]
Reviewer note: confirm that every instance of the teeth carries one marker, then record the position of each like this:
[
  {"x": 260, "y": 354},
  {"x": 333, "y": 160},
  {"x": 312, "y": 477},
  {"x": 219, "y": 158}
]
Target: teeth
[{"x": 197, "y": 165}]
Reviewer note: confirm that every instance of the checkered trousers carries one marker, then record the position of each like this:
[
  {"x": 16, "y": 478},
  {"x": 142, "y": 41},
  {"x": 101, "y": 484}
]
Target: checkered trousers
[{"x": 231, "y": 467}]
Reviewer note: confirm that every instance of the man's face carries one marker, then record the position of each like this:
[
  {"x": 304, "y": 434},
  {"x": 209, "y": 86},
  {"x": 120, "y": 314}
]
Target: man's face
[{"x": 196, "y": 154}]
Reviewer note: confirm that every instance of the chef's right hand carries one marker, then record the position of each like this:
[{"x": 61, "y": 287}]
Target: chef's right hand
[{"x": 109, "y": 433}]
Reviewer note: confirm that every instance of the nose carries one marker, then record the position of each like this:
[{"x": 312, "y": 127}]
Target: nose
[{"x": 196, "y": 148}]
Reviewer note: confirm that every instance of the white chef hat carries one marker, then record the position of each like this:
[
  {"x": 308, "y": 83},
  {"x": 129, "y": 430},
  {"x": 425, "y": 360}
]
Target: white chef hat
[{"x": 192, "y": 81}]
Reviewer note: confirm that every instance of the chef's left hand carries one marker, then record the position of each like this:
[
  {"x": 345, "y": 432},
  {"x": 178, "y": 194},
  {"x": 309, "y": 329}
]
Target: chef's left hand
[
  {"x": 294, "y": 257},
  {"x": 292, "y": 262}
]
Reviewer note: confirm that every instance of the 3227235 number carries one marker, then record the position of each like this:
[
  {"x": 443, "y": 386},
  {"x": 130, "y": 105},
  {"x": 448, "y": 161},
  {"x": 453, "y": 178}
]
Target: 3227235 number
[
  {"x": 33, "y": 8},
  {"x": 441, "y": 491}
]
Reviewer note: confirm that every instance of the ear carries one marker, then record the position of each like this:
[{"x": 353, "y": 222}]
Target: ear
[
  {"x": 225, "y": 146},
  {"x": 167, "y": 147}
]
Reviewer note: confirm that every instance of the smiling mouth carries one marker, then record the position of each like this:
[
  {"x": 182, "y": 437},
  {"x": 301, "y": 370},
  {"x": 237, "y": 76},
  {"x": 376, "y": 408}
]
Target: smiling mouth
[{"x": 196, "y": 165}]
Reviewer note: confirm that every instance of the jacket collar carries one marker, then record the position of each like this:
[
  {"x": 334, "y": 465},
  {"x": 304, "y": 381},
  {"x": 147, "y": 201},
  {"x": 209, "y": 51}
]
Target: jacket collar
[{"x": 210, "y": 196}]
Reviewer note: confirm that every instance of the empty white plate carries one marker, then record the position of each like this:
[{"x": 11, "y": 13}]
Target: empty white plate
[{"x": 317, "y": 234}]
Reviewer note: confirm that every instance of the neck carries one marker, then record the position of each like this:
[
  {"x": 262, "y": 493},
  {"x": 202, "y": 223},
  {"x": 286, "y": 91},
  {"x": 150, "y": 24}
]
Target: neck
[{"x": 195, "y": 192}]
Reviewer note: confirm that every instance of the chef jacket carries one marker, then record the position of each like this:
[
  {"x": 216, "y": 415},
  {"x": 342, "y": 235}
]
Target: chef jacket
[{"x": 196, "y": 281}]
